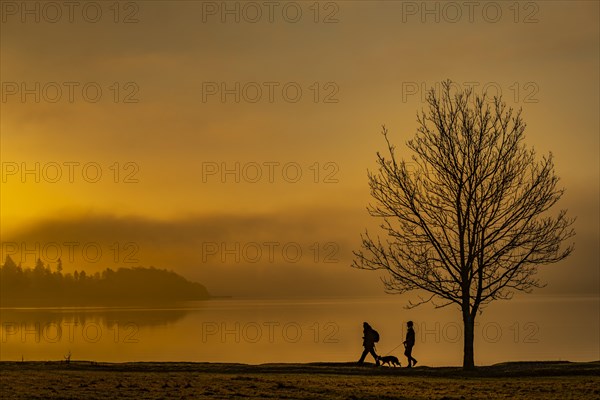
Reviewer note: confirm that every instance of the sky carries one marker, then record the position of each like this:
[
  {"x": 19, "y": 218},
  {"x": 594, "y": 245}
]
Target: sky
[{"x": 236, "y": 152}]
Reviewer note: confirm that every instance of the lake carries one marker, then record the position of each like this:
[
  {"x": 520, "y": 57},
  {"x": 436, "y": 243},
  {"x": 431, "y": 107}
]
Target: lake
[{"x": 301, "y": 330}]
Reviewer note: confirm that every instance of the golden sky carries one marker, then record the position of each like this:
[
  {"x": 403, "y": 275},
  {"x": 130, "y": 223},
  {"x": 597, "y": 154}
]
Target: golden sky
[{"x": 157, "y": 129}]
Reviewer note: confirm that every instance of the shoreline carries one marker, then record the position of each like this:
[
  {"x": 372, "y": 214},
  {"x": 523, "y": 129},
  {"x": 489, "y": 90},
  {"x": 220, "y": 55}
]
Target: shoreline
[{"x": 501, "y": 370}]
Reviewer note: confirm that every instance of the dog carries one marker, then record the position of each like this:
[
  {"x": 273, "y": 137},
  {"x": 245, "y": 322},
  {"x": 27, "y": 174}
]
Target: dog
[{"x": 389, "y": 360}]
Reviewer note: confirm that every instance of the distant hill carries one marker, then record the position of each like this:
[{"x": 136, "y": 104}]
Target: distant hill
[{"x": 41, "y": 287}]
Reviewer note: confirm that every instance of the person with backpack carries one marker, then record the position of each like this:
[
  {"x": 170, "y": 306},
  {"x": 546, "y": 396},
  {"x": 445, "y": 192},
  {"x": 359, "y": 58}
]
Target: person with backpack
[{"x": 370, "y": 337}]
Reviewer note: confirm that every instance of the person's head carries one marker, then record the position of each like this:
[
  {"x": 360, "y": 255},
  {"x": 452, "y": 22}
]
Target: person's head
[
  {"x": 409, "y": 324},
  {"x": 366, "y": 325}
]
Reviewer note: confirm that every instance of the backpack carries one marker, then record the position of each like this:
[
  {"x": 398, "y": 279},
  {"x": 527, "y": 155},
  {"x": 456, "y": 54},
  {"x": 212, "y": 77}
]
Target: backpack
[{"x": 375, "y": 336}]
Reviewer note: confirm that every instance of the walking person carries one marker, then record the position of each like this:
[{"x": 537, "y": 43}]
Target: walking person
[
  {"x": 370, "y": 337},
  {"x": 409, "y": 344}
]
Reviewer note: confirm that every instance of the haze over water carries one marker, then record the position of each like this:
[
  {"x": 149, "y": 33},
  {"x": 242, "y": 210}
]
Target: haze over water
[{"x": 316, "y": 330}]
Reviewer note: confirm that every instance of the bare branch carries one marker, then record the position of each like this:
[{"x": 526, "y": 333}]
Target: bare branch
[{"x": 471, "y": 222}]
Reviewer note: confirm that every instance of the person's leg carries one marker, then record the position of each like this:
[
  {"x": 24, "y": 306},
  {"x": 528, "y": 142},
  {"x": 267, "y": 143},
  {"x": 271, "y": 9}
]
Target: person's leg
[
  {"x": 412, "y": 359},
  {"x": 362, "y": 357},
  {"x": 372, "y": 351},
  {"x": 408, "y": 354}
]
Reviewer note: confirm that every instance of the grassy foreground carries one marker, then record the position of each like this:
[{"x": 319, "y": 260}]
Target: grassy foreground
[{"x": 89, "y": 380}]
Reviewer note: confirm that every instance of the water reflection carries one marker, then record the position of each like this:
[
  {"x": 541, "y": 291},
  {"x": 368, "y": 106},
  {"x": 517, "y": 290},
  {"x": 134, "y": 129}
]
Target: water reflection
[
  {"x": 258, "y": 331},
  {"x": 142, "y": 317}
]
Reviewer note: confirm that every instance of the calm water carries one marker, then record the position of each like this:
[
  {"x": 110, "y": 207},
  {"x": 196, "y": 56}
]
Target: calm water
[{"x": 260, "y": 331}]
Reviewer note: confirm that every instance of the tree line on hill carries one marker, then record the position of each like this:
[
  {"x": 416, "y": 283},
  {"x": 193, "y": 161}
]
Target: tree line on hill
[{"x": 42, "y": 287}]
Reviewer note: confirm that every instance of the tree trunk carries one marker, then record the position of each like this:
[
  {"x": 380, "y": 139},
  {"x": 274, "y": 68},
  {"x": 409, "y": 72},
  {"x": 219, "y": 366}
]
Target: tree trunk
[{"x": 469, "y": 335}]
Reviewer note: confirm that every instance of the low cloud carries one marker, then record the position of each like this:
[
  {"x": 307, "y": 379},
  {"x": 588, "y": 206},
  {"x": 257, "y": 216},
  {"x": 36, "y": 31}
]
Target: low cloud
[{"x": 296, "y": 254}]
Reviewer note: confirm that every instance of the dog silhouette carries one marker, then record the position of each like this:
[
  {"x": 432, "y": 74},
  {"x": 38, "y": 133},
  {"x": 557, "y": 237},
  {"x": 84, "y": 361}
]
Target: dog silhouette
[{"x": 391, "y": 361}]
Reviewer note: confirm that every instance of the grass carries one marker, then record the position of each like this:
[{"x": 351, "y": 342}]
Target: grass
[{"x": 86, "y": 380}]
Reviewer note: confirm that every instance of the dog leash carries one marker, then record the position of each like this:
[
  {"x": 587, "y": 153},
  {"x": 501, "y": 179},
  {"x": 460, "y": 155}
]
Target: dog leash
[{"x": 393, "y": 349}]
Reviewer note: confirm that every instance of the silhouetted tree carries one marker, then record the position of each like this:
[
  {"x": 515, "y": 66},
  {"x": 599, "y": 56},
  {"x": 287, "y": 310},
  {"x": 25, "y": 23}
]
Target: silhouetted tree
[
  {"x": 11, "y": 277},
  {"x": 126, "y": 286},
  {"x": 9, "y": 265},
  {"x": 469, "y": 223},
  {"x": 39, "y": 269}
]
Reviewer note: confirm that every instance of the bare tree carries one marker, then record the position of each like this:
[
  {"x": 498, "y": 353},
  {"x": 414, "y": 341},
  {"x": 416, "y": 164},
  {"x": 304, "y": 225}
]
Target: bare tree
[{"x": 468, "y": 223}]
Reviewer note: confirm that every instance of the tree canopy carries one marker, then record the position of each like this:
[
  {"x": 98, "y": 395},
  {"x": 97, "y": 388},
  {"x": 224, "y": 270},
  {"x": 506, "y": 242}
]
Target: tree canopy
[{"x": 470, "y": 221}]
